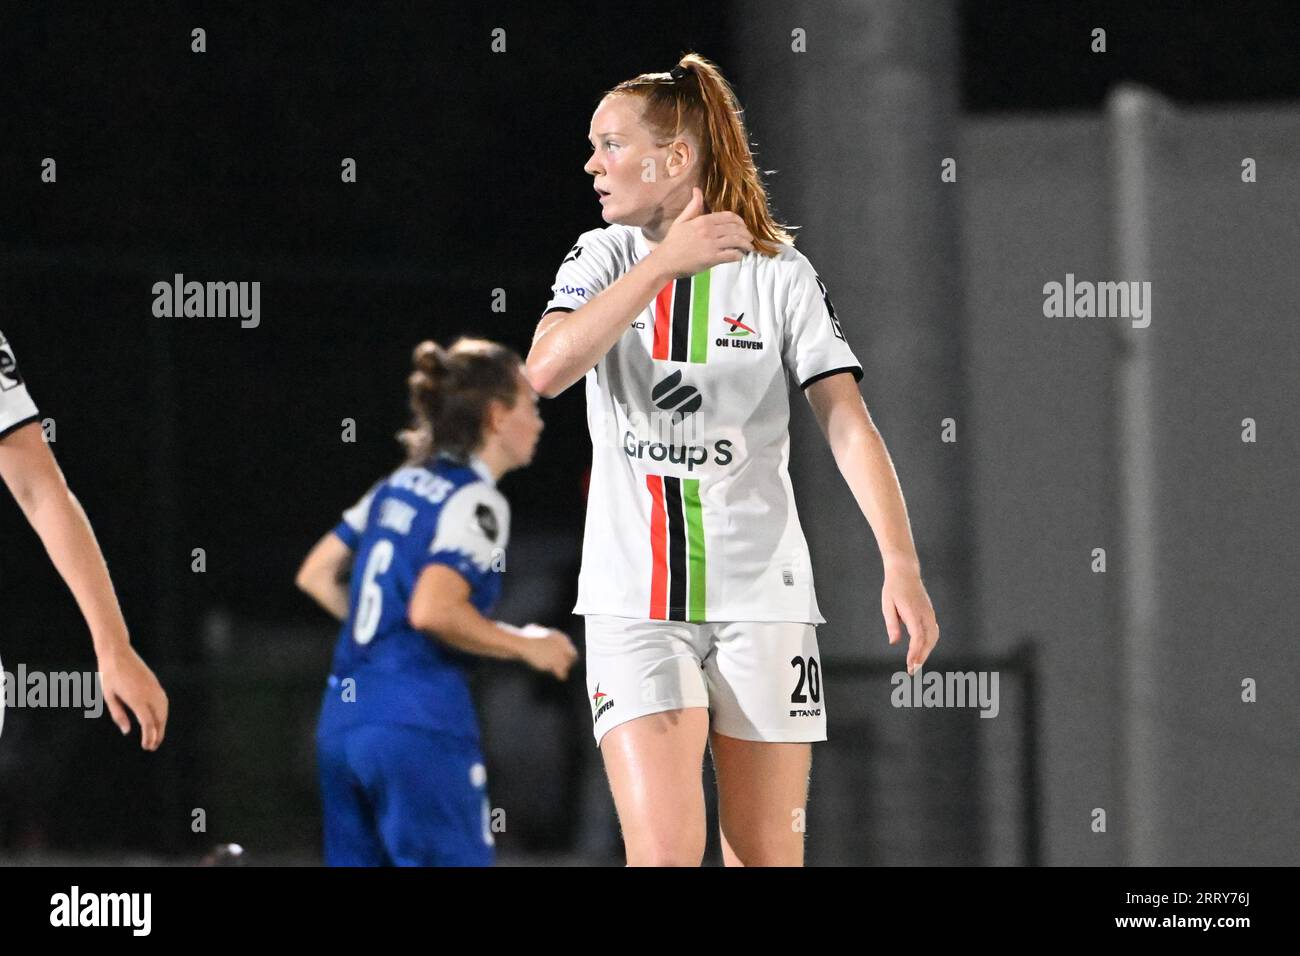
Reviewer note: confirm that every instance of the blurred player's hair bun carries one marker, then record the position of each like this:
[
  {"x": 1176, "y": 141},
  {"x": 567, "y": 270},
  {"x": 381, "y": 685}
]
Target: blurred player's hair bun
[
  {"x": 429, "y": 359},
  {"x": 429, "y": 363},
  {"x": 450, "y": 391}
]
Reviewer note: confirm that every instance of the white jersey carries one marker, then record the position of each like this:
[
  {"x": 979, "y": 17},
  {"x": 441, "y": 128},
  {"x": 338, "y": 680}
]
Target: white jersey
[
  {"x": 690, "y": 512},
  {"x": 16, "y": 406}
]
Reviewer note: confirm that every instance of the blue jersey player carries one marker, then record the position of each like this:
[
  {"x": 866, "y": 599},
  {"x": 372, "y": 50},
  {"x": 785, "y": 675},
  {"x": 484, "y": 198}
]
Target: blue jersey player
[{"x": 402, "y": 776}]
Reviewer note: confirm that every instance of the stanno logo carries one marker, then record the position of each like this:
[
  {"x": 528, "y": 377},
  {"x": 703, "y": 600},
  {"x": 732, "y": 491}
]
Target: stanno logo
[
  {"x": 671, "y": 395},
  {"x": 602, "y": 702}
]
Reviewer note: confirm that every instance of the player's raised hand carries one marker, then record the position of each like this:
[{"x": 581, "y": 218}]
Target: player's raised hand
[
  {"x": 128, "y": 683},
  {"x": 697, "y": 240},
  {"x": 904, "y": 601},
  {"x": 552, "y": 652}
]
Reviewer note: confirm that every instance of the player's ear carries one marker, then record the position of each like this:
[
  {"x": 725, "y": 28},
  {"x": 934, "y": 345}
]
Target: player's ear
[
  {"x": 496, "y": 415},
  {"x": 676, "y": 158},
  {"x": 680, "y": 154}
]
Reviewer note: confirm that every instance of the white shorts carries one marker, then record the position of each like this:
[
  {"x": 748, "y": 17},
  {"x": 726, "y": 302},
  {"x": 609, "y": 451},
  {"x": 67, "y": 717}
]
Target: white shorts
[{"x": 760, "y": 680}]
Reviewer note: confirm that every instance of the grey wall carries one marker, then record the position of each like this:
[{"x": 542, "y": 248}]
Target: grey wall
[
  {"x": 1036, "y": 205},
  {"x": 1039, "y": 468}
]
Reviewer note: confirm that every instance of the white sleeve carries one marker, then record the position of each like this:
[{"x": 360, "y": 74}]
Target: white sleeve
[
  {"x": 353, "y": 525},
  {"x": 473, "y": 527},
  {"x": 813, "y": 345},
  {"x": 16, "y": 406},
  {"x": 587, "y": 270}
]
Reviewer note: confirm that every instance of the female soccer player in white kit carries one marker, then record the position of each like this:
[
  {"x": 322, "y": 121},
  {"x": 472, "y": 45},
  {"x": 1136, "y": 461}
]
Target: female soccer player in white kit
[
  {"x": 686, "y": 314},
  {"x": 33, "y": 476}
]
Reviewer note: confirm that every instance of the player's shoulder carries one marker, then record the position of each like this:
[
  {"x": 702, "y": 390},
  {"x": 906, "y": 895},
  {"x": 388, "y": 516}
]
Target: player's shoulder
[
  {"x": 4, "y": 344},
  {"x": 783, "y": 274},
  {"x": 480, "y": 491},
  {"x": 611, "y": 240},
  {"x": 16, "y": 406},
  {"x": 470, "y": 487},
  {"x": 788, "y": 262},
  {"x": 474, "y": 513}
]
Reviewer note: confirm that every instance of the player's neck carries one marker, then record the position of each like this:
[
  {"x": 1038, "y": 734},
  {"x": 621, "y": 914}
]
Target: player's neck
[
  {"x": 655, "y": 230},
  {"x": 494, "y": 459}
]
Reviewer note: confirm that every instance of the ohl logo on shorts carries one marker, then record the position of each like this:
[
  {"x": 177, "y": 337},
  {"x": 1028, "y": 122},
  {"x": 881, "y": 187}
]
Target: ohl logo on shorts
[{"x": 602, "y": 702}]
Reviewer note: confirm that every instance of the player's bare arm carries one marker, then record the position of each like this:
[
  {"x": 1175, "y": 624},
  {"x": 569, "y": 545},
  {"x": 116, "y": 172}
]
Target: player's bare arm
[
  {"x": 324, "y": 574},
  {"x": 864, "y": 461},
  {"x": 37, "y": 483},
  {"x": 440, "y": 606},
  {"x": 567, "y": 345}
]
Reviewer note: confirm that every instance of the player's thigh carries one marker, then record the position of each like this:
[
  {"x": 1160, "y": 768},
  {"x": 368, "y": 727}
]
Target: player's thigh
[
  {"x": 649, "y": 705},
  {"x": 430, "y": 795},
  {"x": 762, "y": 799},
  {"x": 765, "y": 682},
  {"x": 654, "y": 765},
  {"x": 769, "y": 705},
  {"x": 639, "y": 667},
  {"x": 351, "y": 836}
]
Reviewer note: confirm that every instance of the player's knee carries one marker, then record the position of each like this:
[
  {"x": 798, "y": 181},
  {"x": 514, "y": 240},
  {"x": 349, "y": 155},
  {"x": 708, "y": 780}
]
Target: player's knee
[
  {"x": 665, "y": 850},
  {"x": 776, "y": 848},
  {"x": 771, "y": 856},
  {"x": 666, "y": 856}
]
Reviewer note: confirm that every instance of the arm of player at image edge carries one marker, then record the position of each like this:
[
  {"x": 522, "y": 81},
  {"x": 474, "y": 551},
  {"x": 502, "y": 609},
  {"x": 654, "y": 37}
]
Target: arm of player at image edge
[
  {"x": 324, "y": 574},
  {"x": 440, "y": 606},
  {"x": 864, "y": 462},
  {"x": 37, "y": 483}
]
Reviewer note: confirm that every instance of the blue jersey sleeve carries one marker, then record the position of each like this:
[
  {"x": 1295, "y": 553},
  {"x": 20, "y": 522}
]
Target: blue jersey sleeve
[{"x": 471, "y": 535}]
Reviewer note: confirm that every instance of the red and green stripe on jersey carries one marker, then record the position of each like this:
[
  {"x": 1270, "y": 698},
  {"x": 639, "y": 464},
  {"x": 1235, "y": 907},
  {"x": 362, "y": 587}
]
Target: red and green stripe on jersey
[
  {"x": 677, "y": 581},
  {"x": 677, "y": 572},
  {"x": 682, "y": 319}
]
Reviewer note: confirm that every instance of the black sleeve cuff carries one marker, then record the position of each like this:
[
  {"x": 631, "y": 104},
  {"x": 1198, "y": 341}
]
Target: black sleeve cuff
[
  {"x": 17, "y": 425},
  {"x": 855, "y": 369}
]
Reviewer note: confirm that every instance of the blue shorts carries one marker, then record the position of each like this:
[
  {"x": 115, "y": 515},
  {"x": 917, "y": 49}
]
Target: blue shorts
[{"x": 403, "y": 796}]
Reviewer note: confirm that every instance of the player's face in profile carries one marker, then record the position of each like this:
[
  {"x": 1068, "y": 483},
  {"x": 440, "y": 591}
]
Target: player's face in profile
[
  {"x": 522, "y": 425},
  {"x": 625, "y": 164}
]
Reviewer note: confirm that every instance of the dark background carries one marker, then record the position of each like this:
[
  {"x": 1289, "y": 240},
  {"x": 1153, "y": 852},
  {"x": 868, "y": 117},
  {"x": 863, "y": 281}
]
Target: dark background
[{"x": 184, "y": 433}]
